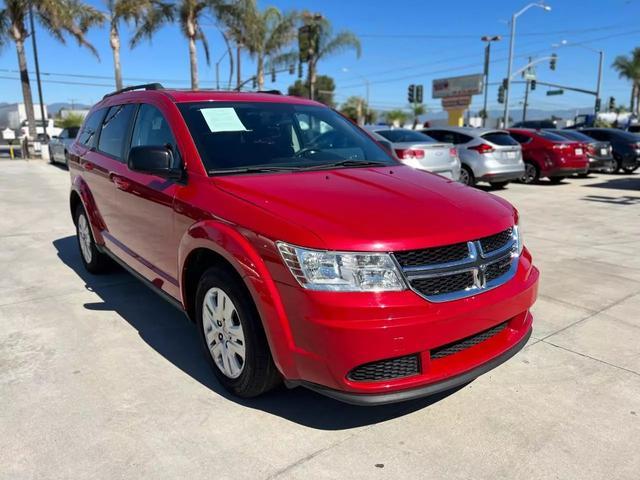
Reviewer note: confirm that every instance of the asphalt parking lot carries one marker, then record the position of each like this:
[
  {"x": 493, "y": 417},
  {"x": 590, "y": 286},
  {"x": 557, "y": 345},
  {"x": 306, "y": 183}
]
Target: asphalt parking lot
[{"x": 100, "y": 378}]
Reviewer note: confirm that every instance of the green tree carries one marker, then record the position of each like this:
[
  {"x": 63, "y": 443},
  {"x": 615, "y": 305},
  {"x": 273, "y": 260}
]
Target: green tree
[
  {"x": 189, "y": 14},
  {"x": 264, "y": 34},
  {"x": 58, "y": 18},
  {"x": 71, "y": 120},
  {"x": 151, "y": 11},
  {"x": 355, "y": 108},
  {"x": 325, "y": 43},
  {"x": 325, "y": 88},
  {"x": 628, "y": 67},
  {"x": 396, "y": 117}
]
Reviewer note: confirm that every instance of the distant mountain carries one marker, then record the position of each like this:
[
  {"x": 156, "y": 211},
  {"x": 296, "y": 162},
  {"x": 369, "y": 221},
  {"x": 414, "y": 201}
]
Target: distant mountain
[
  {"x": 516, "y": 115},
  {"x": 54, "y": 108}
]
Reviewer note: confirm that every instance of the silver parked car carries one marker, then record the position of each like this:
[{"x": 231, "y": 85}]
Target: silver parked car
[
  {"x": 59, "y": 145},
  {"x": 420, "y": 151},
  {"x": 487, "y": 155}
]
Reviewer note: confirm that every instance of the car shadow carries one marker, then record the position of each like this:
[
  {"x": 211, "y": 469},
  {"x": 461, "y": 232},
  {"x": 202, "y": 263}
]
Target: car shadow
[
  {"x": 626, "y": 183},
  {"x": 172, "y": 335}
]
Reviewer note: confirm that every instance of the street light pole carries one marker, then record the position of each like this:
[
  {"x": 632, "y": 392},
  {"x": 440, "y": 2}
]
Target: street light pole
[
  {"x": 599, "y": 85},
  {"x": 547, "y": 8},
  {"x": 487, "y": 60}
]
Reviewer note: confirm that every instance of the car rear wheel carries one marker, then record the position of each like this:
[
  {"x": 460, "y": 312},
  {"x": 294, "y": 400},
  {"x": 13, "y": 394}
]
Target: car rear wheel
[
  {"x": 232, "y": 336},
  {"x": 466, "y": 176},
  {"x": 92, "y": 259},
  {"x": 556, "y": 180},
  {"x": 531, "y": 173},
  {"x": 498, "y": 185}
]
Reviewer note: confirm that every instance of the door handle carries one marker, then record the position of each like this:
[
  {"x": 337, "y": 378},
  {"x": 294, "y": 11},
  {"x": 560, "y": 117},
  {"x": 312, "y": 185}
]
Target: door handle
[{"x": 120, "y": 183}]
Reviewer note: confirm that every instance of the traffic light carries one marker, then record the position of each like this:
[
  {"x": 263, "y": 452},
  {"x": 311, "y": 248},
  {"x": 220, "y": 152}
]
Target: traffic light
[
  {"x": 501, "y": 90},
  {"x": 254, "y": 83},
  {"x": 419, "y": 93},
  {"x": 505, "y": 84},
  {"x": 598, "y": 105},
  {"x": 300, "y": 70},
  {"x": 411, "y": 93},
  {"x": 612, "y": 103},
  {"x": 533, "y": 84},
  {"x": 273, "y": 74},
  {"x": 292, "y": 69},
  {"x": 552, "y": 62}
]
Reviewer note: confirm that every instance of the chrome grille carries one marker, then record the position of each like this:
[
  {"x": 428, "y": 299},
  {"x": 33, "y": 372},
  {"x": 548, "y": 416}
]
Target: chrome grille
[{"x": 439, "y": 275}]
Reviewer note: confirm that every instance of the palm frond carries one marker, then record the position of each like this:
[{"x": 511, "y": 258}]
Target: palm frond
[
  {"x": 344, "y": 40},
  {"x": 149, "y": 20}
]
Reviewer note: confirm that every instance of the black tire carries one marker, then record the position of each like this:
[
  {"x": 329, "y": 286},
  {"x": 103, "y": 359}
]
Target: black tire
[
  {"x": 556, "y": 180},
  {"x": 466, "y": 176},
  {"x": 498, "y": 185},
  {"x": 96, "y": 262},
  {"x": 531, "y": 173},
  {"x": 630, "y": 169},
  {"x": 66, "y": 158},
  {"x": 51, "y": 160},
  {"x": 618, "y": 165},
  {"x": 258, "y": 372},
  {"x": 583, "y": 175}
]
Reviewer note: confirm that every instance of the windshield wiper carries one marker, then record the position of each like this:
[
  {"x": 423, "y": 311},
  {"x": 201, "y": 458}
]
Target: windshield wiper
[
  {"x": 263, "y": 169},
  {"x": 347, "y": 163}
]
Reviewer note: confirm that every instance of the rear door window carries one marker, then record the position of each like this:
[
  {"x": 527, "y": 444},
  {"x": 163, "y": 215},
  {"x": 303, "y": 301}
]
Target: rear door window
[
  {"x": 499, "y": 138},
  {"x": 442, "y": 136},
  {"x": 115, "y": 130},
  {"x": 89, "y": 130},
  {"x": 399, "y": 136},
  {"x": 520, "y": 138}
]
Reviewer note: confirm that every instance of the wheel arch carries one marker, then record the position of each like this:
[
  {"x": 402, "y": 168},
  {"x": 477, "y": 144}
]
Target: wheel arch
[{"x": 212, "y": 242}]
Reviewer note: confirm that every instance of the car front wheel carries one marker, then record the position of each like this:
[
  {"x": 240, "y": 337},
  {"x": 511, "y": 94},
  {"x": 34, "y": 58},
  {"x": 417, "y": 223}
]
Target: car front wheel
[
  {"x": 531, "y": 173},
  {"x": 231, "y": 333},
  {"x": 466, "y": 176}
]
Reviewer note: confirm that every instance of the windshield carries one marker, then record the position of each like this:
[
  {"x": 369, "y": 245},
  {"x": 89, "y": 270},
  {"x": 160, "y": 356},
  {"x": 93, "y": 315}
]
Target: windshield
[
  {"x": 239, "y": 137},
  {"x": 400, "y": 135}
]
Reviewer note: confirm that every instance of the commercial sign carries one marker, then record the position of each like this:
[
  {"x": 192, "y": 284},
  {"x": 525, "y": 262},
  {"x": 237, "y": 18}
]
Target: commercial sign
[
  {"x": 459, "y": 101},
  {"x": 457, "y": 86}
]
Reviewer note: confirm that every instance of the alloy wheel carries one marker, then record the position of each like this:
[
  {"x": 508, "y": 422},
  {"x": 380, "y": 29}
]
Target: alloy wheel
[
  {"x": 529, "y": 173},
  {"x": 464, "y": 176},
  {"x": 223, "y": 332},
  {"x": 84, "y": 236}
]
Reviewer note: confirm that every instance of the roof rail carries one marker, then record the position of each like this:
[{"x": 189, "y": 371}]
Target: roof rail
[
  {"x": 271, "y": 92},
  {"x": 145, "y": 86}
]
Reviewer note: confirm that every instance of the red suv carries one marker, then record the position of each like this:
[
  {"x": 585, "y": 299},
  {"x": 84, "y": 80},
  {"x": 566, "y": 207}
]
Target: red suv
[
  {"x": 299, "y": 247},
  {"x": 548, "y": 154}
]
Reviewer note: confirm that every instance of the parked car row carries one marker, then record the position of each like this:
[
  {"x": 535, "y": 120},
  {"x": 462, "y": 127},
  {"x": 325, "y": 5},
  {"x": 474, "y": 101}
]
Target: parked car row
[{"x": 498, "y": 157}]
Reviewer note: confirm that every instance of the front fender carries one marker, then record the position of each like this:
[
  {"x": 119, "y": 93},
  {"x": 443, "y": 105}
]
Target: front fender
[{"x": 237, "y": 250}]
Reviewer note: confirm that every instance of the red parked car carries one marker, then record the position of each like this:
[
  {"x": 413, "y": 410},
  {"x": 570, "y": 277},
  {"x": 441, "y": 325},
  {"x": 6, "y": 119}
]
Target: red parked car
[
  {"x": 548, "y": 154},
  {"x": 298, "y": 246}
]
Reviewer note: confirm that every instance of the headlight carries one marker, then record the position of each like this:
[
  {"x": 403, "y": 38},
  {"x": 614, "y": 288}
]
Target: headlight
[{"x": 341, "y": 271}]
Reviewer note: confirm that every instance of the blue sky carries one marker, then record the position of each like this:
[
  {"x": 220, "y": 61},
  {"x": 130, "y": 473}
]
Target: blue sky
[{"x": 403, "y": 42}]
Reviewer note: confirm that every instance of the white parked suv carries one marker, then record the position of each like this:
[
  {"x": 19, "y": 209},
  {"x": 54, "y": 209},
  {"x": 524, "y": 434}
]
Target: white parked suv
[{"x": 487, "y": 155}]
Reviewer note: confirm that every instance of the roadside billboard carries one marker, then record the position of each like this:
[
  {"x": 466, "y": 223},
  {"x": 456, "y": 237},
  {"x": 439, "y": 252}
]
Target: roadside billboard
[{"x": 465, "y": 85}]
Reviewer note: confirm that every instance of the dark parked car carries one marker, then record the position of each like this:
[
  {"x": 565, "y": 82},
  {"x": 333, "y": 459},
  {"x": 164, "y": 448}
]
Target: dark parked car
[
  {"x": 537, "y": 124},
  {"x": 599, "y": 153},
  {"x": 625, "y": 145}
]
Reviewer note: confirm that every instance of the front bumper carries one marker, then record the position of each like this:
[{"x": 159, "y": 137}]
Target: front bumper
[{"x": 334, "y": 333}]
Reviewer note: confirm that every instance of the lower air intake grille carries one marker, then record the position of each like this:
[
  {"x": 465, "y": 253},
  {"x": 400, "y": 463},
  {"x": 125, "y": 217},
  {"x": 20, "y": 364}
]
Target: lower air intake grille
[
  {"x": 468, "y": 342},
  {"x": 386, "y": 369}
]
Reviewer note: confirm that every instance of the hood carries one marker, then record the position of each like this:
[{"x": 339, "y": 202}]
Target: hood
[{"x": 374, "y": 209}]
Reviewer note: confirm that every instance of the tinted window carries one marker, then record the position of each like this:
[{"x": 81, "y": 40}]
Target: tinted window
[
  {"x": 573, "y": 135},
  {"x": 152, "y": 129},
  {"x": 400, "y": 135},
  {"x": 596, "y": 134},
  {"x": 554, "y": 137},
  {"x": 443, "y": 136},
  {"x": 623, "y": 136},
  {"x": 520, "y": 138},
  {"x": 73, "y": 132},
  {"x": 254, "y": 135},
  {"x": 499, "y": 138},
  {"x": 90, "y": 128},
  {"x": 115, "y": 128}
]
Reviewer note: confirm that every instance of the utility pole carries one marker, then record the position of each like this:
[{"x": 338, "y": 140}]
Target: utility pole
[
  {"x": 510, "y": 63},
  {"x": 239, "y": 76},
  {"x": 37, "y": 65},
  {"x": 526, "y": 100},
  {"x": 487, "y": 60},
  {"x": 599, "y": 84}
]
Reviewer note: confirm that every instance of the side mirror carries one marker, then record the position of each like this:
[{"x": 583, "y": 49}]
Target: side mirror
[{"x": 153, "y": 159}]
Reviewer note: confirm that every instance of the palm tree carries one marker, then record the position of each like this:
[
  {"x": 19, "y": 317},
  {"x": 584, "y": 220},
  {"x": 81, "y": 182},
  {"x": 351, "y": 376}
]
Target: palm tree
[
  {"x": 629, "y": 68},
  {"x": 58, "y": 17},
  {"x": 152, "y": 11},
  {"x": 264, "y": 34},
  {"x": 189, "y": 14},
  {"x": 324, "y": 43}
]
